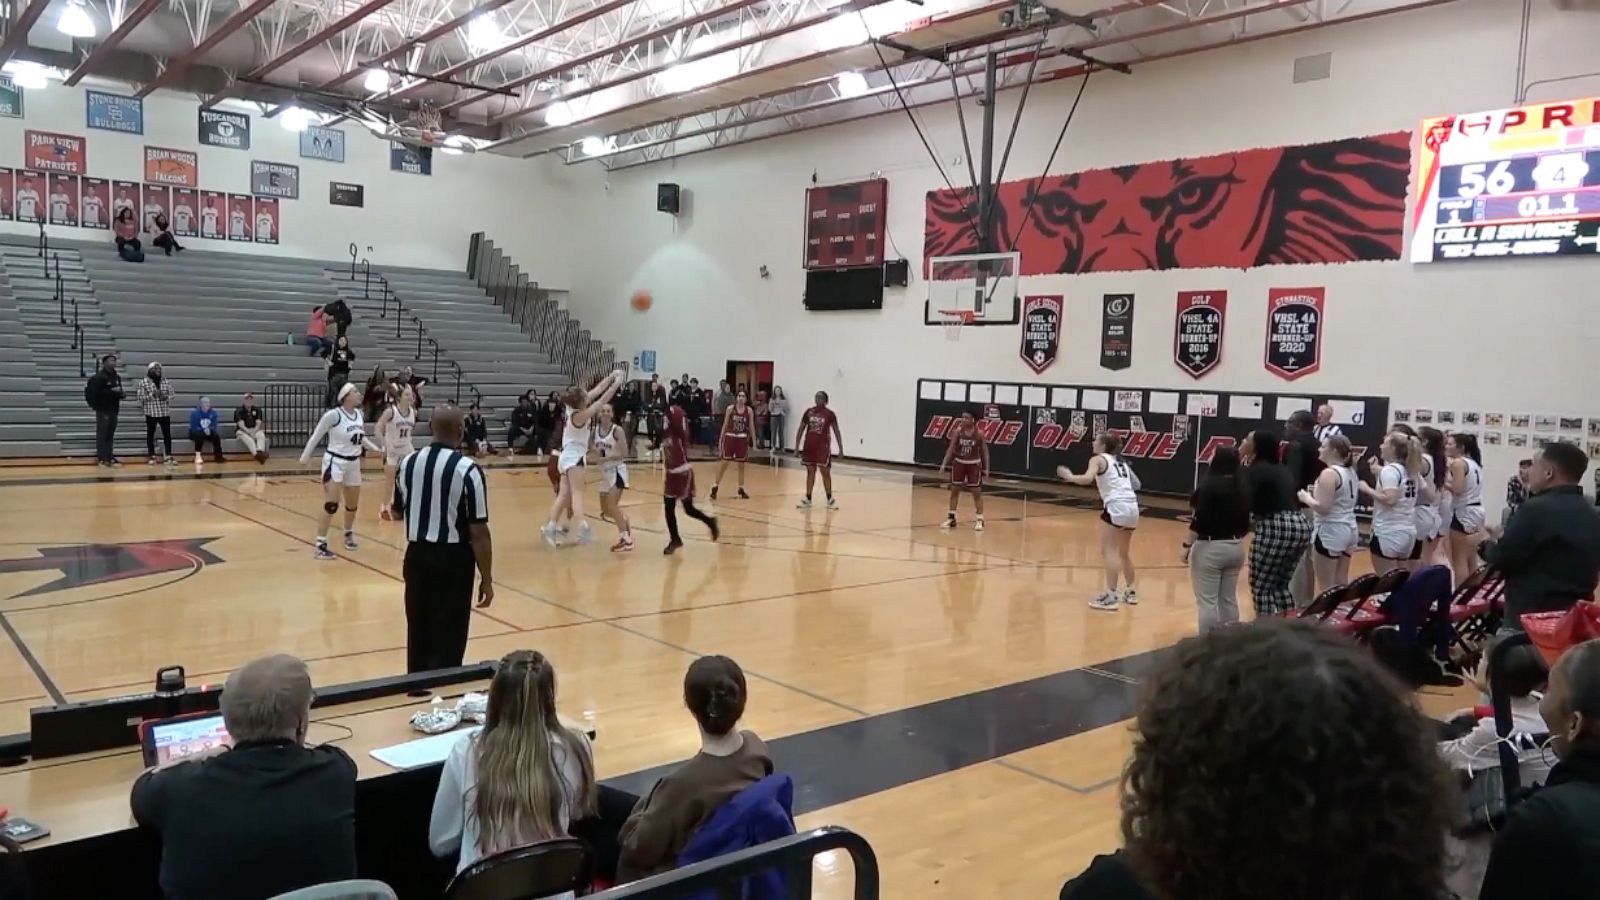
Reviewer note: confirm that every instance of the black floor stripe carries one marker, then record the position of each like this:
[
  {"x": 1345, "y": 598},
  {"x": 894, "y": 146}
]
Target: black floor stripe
[
  {"x": 33, "y": 662},
  {"x": 855, "y": 759}
]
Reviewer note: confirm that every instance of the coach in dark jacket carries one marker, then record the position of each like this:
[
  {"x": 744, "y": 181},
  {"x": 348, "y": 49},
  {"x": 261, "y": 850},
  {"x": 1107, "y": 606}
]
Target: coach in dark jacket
[
  {"x": 1550, "y": 550},
  {"x": 1550, "y": 846},
  {"x": 104, "y": 395}
]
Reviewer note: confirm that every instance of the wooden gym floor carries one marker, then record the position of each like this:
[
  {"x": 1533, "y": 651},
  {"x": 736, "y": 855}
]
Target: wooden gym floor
[{"x": 949, "y": 695}]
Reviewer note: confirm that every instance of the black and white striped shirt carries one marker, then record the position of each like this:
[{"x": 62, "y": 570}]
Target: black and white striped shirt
[
  {"x": 1323, "y": 432},
  {"x": 440, "y": 492}
]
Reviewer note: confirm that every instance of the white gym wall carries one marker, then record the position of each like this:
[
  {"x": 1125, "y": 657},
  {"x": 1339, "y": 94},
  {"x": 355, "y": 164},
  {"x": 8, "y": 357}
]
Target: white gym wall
[
  {"x": 409, "y": 220},
  {"x": 1490, "y": 336}
]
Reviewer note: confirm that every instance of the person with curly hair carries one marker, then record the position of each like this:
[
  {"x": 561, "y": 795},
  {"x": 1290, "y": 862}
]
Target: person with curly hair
[{"x": 1277, "y": 760}]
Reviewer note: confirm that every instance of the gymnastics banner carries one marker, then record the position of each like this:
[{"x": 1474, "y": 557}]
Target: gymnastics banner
[
  {"x": 1041, "y": 331},
  {"x": 1338, "y": 201},
  {"x": 95, "y": 210},
  {"x": 1197, "y": 333},
  {"x": 1294, "y": 331}
]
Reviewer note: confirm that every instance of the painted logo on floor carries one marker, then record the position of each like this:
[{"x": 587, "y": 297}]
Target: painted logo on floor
[{"x": 83, "y": 565}]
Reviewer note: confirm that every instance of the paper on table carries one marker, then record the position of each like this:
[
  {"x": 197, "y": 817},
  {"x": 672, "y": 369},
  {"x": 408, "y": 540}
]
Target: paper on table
[
  {"x": 1288, "y": 405},
  {"x": 1244, "y": 406},
  {"x": 1094, "y": 398},
  {"x": 1164, "y": 402},
  {"x": 422, "y": 751}
]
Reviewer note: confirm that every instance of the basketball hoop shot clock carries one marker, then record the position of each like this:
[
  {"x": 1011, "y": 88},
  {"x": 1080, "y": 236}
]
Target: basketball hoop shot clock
[{"x": 1509, "y": 183}]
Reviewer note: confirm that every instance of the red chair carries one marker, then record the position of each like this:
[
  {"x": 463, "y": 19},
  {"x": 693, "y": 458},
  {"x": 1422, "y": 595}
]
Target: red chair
[
  {"x": 1372, "y": 609},
  {"x": 1478, "y": 605}
]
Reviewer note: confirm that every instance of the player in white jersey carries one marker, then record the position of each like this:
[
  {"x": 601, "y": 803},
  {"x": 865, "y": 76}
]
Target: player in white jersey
[
  {"x": 1467, "y": 516},
  {"x": 1333, "y": 498},
  {"x": 151, "y": 210},
  {"x": 121, "y": 203},
  {"x": 263, "y": 227},
  {"x": 581, "y": 408},
  {"x": 346, "y": 431},
  {"x": 395, "y": 426},
  {"x": 236, "y": 222},
  {"x": 611, "y": 442},
  {"x": 208, "y": 222},
  {"x": 1394, "y": 503},
  {"x": 183, "y": 219},
  {"x": 1433, "y": 497},
  {"x": 27, "y": 201},
  {"x": 92, "y": 210},
  {"x": 1118, "y": 495},
  {"x": 59, "y": 207}
]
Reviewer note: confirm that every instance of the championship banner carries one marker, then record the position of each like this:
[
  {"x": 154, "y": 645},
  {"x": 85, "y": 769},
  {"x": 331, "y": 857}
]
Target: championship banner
[
  {"x": 410, "y": 160},
  {"x": 213, "y": 212},
  {"x": 224, "y": 129},
  {"x": 64, "y": 200},
  {"x": 8, "y": 187},
  {"x": 266, "y": 220},
  {"x": 157, "y": 200},
  {"x": 1197, "y": 335},
  {"x": 112, "y": 112},
  {"x": 30, "y": 196},
  {"x": 95, "y": 210},
  {"x": 1167, "y": 449},
  {"x": 179, "y": 168},
  {"x": 326, "y": 144},
  {"x": 1041, "y": 331},
  {"x": 1116, "y": 331},
  {"x": 48, "y": 151},
  {"x": 241, "y": 215},
  {"x": 270, "y": 179},
  {"x": 185, "y": 203},
  {"x": 1294, "y": 331},
  {"x": 124, "y": 195}
]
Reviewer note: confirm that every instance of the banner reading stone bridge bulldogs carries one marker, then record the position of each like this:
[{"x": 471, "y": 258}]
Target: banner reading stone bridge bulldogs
[{"x": 1028, "y": 441}]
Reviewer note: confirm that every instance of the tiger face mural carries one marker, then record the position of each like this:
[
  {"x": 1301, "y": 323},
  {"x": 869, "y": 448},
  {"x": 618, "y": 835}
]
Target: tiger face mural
[{"x": 1341, "y": 201}]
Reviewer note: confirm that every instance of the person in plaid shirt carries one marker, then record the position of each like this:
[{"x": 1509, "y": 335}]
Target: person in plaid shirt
[
  {"x": 1516, "y": 490},
  {"x": 155, "y": 395}
]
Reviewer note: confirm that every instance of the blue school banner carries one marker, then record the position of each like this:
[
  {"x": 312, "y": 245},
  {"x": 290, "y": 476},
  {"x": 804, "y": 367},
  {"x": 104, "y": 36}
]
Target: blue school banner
[{"x": 110, "y": 112}]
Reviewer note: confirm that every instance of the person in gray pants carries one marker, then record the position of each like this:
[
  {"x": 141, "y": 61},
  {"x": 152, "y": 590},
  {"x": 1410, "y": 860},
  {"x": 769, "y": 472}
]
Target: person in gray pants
[{"x": 1214, "y": 547}]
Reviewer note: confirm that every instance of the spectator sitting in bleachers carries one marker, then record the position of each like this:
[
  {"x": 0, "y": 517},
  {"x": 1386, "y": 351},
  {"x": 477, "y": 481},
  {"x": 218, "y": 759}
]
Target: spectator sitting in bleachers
[
  {"x": 522, "y": 779},
  {"x": 1473, "y": 745},
  {"x": 1278, "y": 761},
  {"x": 1550, "y": 846},
  {"x": 406, "y": 378},
  {"x": 478, "y": 433},
  {"x": 524, "y": 425},
  {"x": 164, "y": 238},
  {"x": 317, "y": 341},
  {"x": 376, "y": 395},
  {"x": 700, "y": 412},
  {"x": 270, "y": 815},
  {"x": 728, "y": 762},
  {"x": 549, "y": 417},
  {"x": 247, "y": 429},
  {"x": 126, "y": 232},
  {"x": 205, "y": 428}
]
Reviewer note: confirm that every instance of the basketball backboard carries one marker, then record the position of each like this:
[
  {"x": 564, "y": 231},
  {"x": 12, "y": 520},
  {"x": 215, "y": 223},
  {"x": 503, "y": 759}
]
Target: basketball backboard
[{"x": 984, "y": 284}]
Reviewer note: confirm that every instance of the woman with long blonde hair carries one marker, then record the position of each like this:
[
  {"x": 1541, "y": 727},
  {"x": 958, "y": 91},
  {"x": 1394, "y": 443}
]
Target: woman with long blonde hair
[
  {"x": 1394, "y": 543},
  {"x": 581, "y": 407},
  {"x": 520, "y": 780}
]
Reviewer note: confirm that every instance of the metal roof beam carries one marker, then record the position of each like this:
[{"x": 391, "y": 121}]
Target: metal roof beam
[
  {"x": 300, "y": 49},
  {"x": 103, "y": 50},
  {"x": 17, "y": 34},
  {"x": 405, "y": 45},
  {"x": 219, "y": 34}
]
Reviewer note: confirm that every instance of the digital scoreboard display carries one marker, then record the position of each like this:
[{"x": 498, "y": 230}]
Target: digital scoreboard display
[{"x": 1509, "y": 183}]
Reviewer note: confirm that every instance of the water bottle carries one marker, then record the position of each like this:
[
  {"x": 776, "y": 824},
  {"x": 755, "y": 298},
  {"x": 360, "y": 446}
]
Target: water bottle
[{"x": 288, "y": 338}]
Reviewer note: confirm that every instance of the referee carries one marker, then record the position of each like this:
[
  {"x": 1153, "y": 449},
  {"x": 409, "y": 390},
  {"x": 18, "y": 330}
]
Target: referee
[{"x": 445, "y": 501}]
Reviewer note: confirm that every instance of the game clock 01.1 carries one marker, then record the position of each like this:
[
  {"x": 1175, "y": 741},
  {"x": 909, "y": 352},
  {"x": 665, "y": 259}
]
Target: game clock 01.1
[{"x": 1523, "y": 182}]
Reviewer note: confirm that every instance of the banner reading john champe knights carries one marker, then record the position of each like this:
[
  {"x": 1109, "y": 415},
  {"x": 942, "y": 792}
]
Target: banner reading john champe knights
[{"x": 1166, "y": 449}]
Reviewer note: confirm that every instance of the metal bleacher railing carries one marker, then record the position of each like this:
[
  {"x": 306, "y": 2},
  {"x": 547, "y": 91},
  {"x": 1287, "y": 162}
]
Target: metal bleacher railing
[
  {"x": 78, "y": 342},
  {"x": 723, "y": 877},
  {"x": 387, "y": 297},
  {"x": 554, "y": 332}
]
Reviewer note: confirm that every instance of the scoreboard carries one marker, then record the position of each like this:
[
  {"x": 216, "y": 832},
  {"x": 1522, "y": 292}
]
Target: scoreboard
[
  {"x": 845, "y": 224},
  {"x": 1513, "y": 182}
]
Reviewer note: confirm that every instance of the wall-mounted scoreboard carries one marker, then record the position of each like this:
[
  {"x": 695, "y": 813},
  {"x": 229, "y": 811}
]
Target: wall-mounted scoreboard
[{"x": 1509, "y": 183}]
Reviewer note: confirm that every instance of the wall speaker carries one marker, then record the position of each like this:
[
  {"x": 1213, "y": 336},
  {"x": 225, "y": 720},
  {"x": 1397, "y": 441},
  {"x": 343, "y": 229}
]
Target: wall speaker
[
  {"x": 667, "y": 198},
  {"x": 896, "y": 273}
]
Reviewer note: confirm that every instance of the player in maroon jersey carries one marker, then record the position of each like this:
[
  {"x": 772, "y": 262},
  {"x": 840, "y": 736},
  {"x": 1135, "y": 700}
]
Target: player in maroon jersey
[
  {"x": 819, "y": 427},
  {"x": 737, "y": 424},
  {"x": 680, "y": 479},
  {"x": 971, "y": 457}
]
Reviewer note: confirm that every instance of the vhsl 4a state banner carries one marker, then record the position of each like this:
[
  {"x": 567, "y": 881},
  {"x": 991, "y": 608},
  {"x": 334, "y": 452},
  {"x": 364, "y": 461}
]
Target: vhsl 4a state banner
[
  {"x": 1041, "y": 331},
  {"x": 1294, "y": 331},
  {"x": 1197, "y": 335}
]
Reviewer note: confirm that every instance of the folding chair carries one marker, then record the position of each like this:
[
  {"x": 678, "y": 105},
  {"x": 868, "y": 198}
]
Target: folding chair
[
  {"x": 1371, "y": 609},
  {"x": 1476, "y": 608}
]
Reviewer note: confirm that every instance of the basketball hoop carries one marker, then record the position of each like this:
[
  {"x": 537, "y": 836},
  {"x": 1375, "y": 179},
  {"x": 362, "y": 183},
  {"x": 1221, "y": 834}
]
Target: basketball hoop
[{"x": 953, "y": 320}]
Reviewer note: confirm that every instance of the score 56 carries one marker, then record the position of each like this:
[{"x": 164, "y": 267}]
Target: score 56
[{"x": 1478, "y": 178}]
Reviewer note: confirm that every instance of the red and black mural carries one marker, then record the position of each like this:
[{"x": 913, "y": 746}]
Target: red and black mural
[{"x": 1340, "y": 201}]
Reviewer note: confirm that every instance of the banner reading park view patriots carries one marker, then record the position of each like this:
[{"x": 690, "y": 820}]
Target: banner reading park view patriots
[{"x": 1340, "y": 201}]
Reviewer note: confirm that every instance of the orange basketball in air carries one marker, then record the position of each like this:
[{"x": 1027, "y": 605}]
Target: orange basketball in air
[{"x": 641, "y": 300}]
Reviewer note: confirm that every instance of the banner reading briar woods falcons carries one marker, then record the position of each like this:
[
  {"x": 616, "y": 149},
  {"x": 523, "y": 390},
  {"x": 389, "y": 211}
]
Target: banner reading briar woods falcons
[
  {"x": 1116, "y": 331},
  {"x": 1041, "y": 331},
  {"x": 1294, "y": 331},
  {"x": 1166, "y": 449},
  {"x": 1197, "y": 336}
]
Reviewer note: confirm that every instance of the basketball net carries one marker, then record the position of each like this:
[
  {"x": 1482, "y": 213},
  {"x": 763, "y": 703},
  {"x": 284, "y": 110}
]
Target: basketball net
[
  {"x": 428, "y": 120},
  {"x": 953, "y": 320}
]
